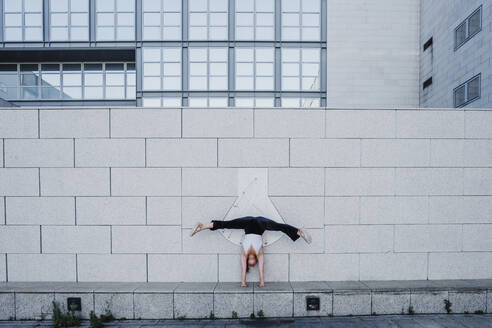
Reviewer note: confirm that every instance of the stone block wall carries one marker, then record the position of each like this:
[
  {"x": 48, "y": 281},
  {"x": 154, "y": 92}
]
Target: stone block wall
[{"x": 111, "y": 194}]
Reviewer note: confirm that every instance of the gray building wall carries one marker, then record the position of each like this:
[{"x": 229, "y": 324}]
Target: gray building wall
[
  {"x": 450, "y": 68},
  {"x": 100, "y": 194},
  {"x": 373, "y": 53}
]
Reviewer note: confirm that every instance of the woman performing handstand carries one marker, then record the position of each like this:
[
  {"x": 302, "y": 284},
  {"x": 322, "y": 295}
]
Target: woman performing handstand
[{"x": 252, "y": 250}]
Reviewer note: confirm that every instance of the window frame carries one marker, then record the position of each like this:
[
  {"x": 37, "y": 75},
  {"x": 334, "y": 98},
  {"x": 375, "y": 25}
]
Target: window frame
[
  {"x": 465, "y": 85},
  {"x": 466, "y": 23}
]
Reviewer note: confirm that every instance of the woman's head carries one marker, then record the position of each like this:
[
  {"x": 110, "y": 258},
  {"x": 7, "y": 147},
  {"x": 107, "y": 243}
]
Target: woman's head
[{"x": 250, "y": 261}]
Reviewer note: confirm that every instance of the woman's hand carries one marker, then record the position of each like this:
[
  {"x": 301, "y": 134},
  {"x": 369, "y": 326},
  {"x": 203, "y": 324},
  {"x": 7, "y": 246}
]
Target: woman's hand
[
  {"x": 262, "y": 284},
  {"x": 243, "y": 284}
]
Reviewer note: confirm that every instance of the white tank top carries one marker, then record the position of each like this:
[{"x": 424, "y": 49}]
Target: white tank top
[{"x": 252, "y": 239}]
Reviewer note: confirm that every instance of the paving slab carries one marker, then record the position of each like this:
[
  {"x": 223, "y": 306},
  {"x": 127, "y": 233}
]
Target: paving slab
[
  {"x": 156, "y": 287},
  {"x": 349, "y": 285}
]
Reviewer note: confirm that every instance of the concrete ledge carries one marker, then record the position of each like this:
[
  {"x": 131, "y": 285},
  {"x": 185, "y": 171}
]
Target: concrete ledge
[{"x": 32, "y": 300}]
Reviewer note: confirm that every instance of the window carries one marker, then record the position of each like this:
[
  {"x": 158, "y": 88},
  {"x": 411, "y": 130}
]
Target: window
[
  {"x": 23, "y": 20},
  {"x": 300, "y": 69},
  {"x": 428, "y": 44},
  {"x": 467, "y": 92},
  {"x": 115, "y": 20},
  {"x": 208, "y": 19},
  {"x": 427, "y": 83},
  {"x": 69, "y": 20},
  {"x": 158, "y": 101},
  {"x": 9, "y": 81},
  {"x": 301, "y": 20},
  {"x": 254, "y": 69},
  {"x": 208, "y": 68},
  {"x": 161, "y": 68},
  {"x": 254, "y": 101},
  {"x": 468, "y": 28},
  {"x": 161, "y": 20},
  {"x": 304, "y": 102},
  {"x": 255, "y": 19},
  {"x": 204, "y": 101},
  {"x": 67, "y": 81}
]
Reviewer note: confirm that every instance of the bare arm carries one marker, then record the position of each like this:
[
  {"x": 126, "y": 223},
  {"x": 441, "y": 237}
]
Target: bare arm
[
  {"x": 243, "y": 269},
  {"x": 261, "y": 262}
]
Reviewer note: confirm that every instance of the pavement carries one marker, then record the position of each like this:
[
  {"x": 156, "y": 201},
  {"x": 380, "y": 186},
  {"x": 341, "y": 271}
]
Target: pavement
[{"x": 377, "y": 321}]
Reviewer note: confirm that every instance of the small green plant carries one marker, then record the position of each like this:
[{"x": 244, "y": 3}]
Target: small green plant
[
  {"x": 107, "y": 316},
  {"x": 466, "y": 312},
  {"x": 61, "y": 319},
  {"x": 234, "y": 315},
  {"x": 11, "y": 318},
  {"x": 252, "y": 315},
  {"x": 181, "y": 317},
  {"x": 447, "y": 305},
  {"x": 261, "y": 315},
  {"x": 211, "y": 316},
  {"x": 411, "y": 310},
  {"x": 479, "y": 312},
  {"x": 94, "y": 321},
  {"x": 374, "y": 313}
]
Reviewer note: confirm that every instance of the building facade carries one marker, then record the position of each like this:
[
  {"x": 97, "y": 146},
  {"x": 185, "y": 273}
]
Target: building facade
[{"x": 456, "y": 47}]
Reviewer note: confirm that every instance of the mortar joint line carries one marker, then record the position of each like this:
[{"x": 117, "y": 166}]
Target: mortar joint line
[
  {"x": 73, "y": 152},
  {"x": 145, "y": 152},
  {"x": 110, "y": 239},
  {"x": 40, "y": 240},
  {"x": 109, "y": 122},
  {"x": 39, "y": 132},
  {"x": 3, "y": 152},
  {"x": 75, "y": 209},
  {"x": 5, "y": 209},
  {"x": 39, "y": 181},
  {"x": 146, "y": 221},
  {"x": 6, "y": 269},
  {"x": 110, "y": 181},
  {"x": 76, "y": 268}
]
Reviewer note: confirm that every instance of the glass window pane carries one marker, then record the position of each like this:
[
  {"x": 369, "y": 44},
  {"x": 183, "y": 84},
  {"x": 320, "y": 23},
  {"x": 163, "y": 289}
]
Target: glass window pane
[
  {"x": 197, "y": 5},
  {"x": 218, "y": 5},
  {"x": 474, "y": 23},
  {"x": 33, "y": 5},
  {"x": 473, "y": 89},
  {"x": 13, "y": 20},
  {"x": 151, "y": 101},
  {"x": 105, "y": 5},
  {"x": 151, "y": 5},
  {"x": 59, "y": 5},
  {"x": 13, "y": 6},
  {"x": 245, "y": 5},
  {"x": 291, "y": 5},
  {"x": 79, "y": 19},
  {"x": 459, "y": 96},
  {"x": 460, "y": 34},
  {"x": 265, "y": 5},
  {"x": 105, "y": 19},
  {"x": 171, "y": 102},
  {"x": 172, "y": 5},
  {"x": 13, "y": 33},
  {"x": 79, "y": 5},
  {"x": 125, "y": 5},
  {"x": 59, "y": 20},
  {"x": 311, "y": 5}
]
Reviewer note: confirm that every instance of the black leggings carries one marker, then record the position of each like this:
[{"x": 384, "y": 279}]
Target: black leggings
[{"x": 256, "y": 225}]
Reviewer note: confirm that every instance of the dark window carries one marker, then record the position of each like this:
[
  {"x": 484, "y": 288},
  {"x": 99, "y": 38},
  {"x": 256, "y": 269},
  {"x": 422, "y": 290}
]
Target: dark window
[
  {"x": 468, "y": 28},
  {"x": 427, "y": 82},
  {"x": 427, "y": 44},
  {"x": 467, "y": 92}
]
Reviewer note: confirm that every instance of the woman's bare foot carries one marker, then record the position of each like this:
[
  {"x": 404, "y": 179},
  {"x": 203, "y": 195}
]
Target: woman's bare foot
[
  {"x": 305, "y": 235},
  {"x": 198, "y": 227},
  {"x": 262, "y": 284},
  {"x": 243, "y": 284}
]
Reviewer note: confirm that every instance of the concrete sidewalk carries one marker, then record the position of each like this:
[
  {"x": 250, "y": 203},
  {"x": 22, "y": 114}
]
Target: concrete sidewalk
[
  {"x": 32, "y": 300},
  {"x": 386, "y": 321}
]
